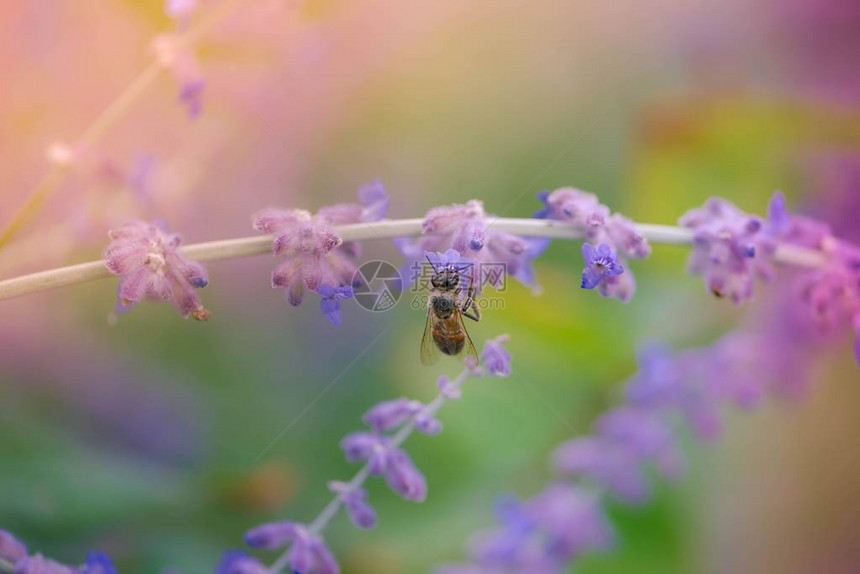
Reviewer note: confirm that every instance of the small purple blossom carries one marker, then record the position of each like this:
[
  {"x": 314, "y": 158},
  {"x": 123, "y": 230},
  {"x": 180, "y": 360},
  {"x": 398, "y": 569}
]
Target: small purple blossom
[
  {"x": 271, "y": 536},
  {"x": 11, "y": 549},
  {"x": 98, "y": 563},
  {"x": 606, "y": 464},
  {"x": 355, "y": 500},
  {"x": 540, "y": 536},
  {"x": 449, "y": 389},
  {"x": 495, "y": 358},
  {"x": 401, "y": 474},
  {"x": 605, "y": 266},
  {"x": 308, "y": 553},
  {"x": 150, "y": 266},
  {"x": 175, "y": 54},
  {"x": 389, "y": 415},
  {"x": 330, "y": 302},
  {"x": 601, "y": 265},
  {"x": 730, "y": 247},
  {"x": 467, "y": 229},
  {"x": 317, "y": 258},
  {"x": 240, "y": 562},
  {"x": 38, "y": 564}
]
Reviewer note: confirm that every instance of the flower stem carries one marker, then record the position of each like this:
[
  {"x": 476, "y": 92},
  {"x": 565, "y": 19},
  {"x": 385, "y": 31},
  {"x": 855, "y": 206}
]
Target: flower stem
[
  {"x": 387, "y": 229},
  {"x": 332, "y": 508}
]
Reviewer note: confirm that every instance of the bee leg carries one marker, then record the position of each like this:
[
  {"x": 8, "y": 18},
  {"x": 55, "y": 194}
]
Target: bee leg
[{"x": 470, "y": 310}]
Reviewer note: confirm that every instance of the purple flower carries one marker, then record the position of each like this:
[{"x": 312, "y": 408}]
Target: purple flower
[
  {"x": 98, "y": 563},
  {"x": 605, "y": 267},
  {"x": 355, "y": 501},
  {"x": 389, "y": 415},
  {"x": 401, "y": 474},
  {"x": 38, "y": 564},
  {"x": 317, "y": 258},
  {"x": 176, "y": 55},
  {"x": 310, "y": 555},
  {"x": 271, "y": 536},
  {"x": 240, "y": 562},
  {"x": 467, "y": 229},
  {"x": 11, "y": 549},
  {"x": 572, "y": 519},
  {"x": 682, "y": 383},
  {"x": 601, "y": 265},
  {"x": 448, "y": 389},
  {"x": 584, "y": 211},
  {"x": 495, "y": 358},
  {"x": 427, "y": 424},
  {"x": 646, "y": 434},
  {"x": 150, "y": 266},
  {"x": 729, "y": 248},
  {"x": 330, "y": 302},
  {"x": 607, "y": 464},
  {"x": 540, "y": 536}
]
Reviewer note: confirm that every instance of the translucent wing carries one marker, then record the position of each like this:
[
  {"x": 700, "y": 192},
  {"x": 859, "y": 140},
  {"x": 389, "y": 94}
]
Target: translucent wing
[
  {"x": 471, "y": 351},
  {"x": 429, "y": 351}
]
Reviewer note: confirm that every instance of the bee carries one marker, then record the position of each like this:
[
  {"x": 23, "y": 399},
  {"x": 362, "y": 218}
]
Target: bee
[{"x": 445, "y": 330}]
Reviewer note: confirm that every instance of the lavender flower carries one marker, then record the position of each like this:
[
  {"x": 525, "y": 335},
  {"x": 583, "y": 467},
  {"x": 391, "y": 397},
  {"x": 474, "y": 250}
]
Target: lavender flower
[
  {"x": 38, "y": 564},
  {"x": 390, "y": 415},
  {"x": 730, "y": 248},
  {"x": 317, "y": 258},
  {"x": 98, "y": 563},
  {"x": 601, "y": 266},
  {"x": 467, "y": 229},
  {"x": 614, "y": 234},
  {"x": 240, "y": 562},
  {"x": 495, "y": 358},
  {"x": 308, "y": 553},
  {"x": 401, "y": 474},
  {"x": 175, "y": 54},
  {"x": 354, "y": 499},
  {"x": 150, "y": 266},
  {"x": 392, "y": 422},
  {"x": 11, "y": 549},
  {"x": 541, "y": 535},
  {"x": 829, "y": 297}
]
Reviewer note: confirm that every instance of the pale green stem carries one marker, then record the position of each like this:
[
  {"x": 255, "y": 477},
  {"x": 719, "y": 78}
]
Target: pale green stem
[{"x": 387, "y": 229}]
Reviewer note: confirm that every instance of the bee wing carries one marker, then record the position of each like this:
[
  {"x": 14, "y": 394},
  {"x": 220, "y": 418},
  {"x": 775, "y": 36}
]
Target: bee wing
[
  {"x": 471, "y": 351},
  {"x": 429, "y": 351}
]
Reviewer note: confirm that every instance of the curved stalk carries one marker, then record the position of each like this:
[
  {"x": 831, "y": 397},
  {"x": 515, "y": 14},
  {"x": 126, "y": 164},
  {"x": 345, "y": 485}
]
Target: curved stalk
[{"x": 387, "y": 229}]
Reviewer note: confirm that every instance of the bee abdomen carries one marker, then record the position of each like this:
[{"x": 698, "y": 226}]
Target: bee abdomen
[{"x": 450, "y": 344}]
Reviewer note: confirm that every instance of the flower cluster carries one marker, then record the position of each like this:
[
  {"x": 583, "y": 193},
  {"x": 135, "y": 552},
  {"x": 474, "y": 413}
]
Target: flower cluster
[
  {"x": 628, "y": 444},
  {"x": 317, "y": 258},
  {"x": 830, "y": 296},
  {"x": 13, "y": 553},
  {"x": 614, "y": 235},
  {"x": 380, "y": 449},
  {"x": 730, "y": 248},
  {"x": 150, "y": 266},
  {"x": 467, "y": 229}
]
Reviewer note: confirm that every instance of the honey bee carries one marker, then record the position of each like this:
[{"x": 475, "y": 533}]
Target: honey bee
[{"x": 445, "y": 330}]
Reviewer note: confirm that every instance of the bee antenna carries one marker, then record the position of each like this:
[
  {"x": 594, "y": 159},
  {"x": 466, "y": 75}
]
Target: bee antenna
[{"x": 427, "y": 257}]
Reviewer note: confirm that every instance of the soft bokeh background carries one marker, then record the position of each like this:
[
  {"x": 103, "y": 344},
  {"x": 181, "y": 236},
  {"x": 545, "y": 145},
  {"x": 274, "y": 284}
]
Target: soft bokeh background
[{"x": 143, "y": 438}]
